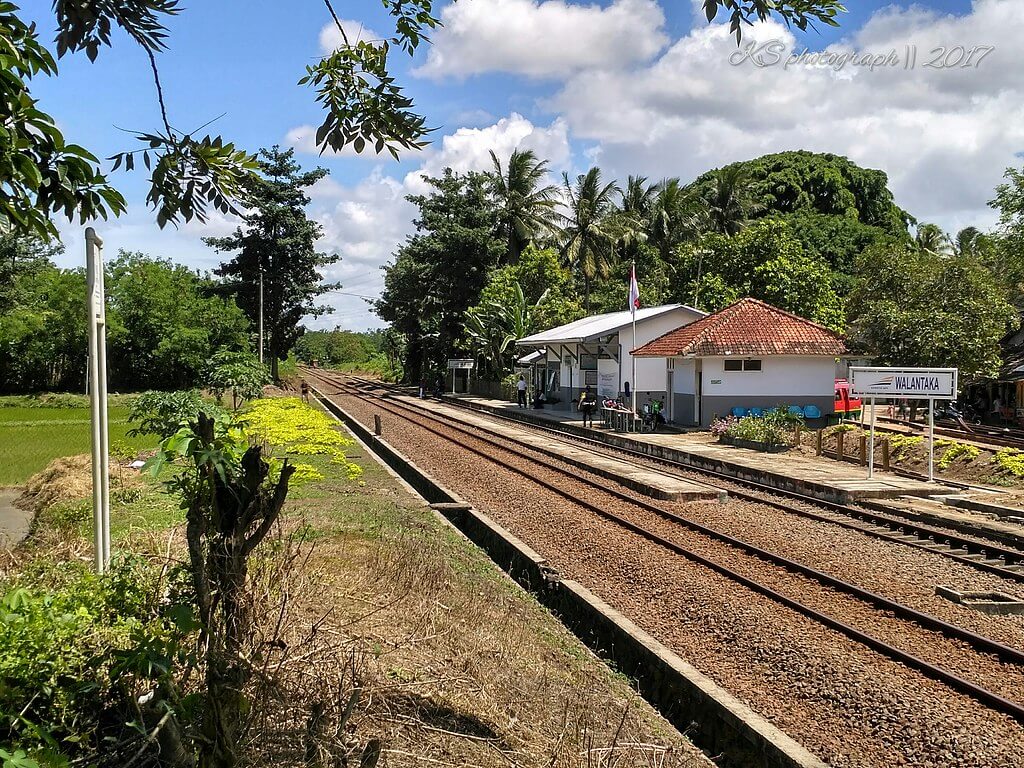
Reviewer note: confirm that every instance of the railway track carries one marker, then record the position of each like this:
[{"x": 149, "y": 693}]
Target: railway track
[
  {"x": 984, "y": 434},
  {"x": 926, "y": 631},
  {"x": 977, "y": 553}
]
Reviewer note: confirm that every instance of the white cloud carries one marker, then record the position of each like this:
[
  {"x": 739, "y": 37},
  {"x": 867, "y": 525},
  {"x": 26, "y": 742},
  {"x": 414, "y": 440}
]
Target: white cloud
[
  {"x": 944, "y": 136},
  {"x": 551, "y": 38},
  {"x": 366, "y": 223},
  {"x": 330, "y": 35}
]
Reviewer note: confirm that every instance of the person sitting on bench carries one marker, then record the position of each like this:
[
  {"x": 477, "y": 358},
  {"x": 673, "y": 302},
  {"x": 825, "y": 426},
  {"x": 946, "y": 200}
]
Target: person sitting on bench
[{"x": 538, "y": 399}]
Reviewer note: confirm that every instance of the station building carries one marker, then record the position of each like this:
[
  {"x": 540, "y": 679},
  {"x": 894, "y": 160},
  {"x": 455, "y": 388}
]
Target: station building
[
  {"x": 748, "y": 355},
  {"x": 595, "y": 352}
]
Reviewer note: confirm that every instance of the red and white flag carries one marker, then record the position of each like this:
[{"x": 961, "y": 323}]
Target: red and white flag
[{"x": 634, "y": 290}]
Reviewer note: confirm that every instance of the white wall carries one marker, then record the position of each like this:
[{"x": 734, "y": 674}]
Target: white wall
[
  {"x": 783, "y": 376},
  {"x": 683, "y": 380},
  {"x": 650, "y": 371}
]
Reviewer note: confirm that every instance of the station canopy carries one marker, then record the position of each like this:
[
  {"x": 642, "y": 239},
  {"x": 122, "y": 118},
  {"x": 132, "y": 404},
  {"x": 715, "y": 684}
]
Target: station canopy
[
  {"x": 595, "y": 327},
  {"x": 533, "y": 357},
  {"x": 747, "y": 328}
]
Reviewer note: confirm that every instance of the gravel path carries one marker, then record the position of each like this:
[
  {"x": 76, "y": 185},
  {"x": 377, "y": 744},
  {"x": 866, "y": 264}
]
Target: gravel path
[{"x": 843, "y": 701}]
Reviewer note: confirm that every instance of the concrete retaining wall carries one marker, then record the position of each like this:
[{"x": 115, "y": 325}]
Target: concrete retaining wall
[{"x": 684, "y": 696}]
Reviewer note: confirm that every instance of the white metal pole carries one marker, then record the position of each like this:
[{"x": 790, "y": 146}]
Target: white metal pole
[
  {"x": 871, "y": 442},
  {"x": 98, "y": 398},
  {"x": 931, "y": 439}
]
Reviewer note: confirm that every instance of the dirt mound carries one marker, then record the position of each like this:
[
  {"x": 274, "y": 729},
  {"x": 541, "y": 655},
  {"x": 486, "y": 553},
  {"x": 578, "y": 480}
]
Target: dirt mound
[{"x": 64, "y": 479}]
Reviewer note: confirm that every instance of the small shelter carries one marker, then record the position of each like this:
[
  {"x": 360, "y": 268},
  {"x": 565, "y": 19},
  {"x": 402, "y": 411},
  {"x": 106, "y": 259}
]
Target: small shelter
[
  {"x": 748, "y": 355},
  {"x": 594, "y": 352}
]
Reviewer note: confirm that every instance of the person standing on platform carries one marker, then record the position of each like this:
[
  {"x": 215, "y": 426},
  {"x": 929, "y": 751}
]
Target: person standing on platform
[
  {"x": 521, "y": 391},
  {"x": 587, "y": 405}
]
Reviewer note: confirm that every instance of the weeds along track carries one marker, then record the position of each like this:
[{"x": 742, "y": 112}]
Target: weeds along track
[
  {"x": 964, "y": 544},
  {"x": 587, "y": 529}
]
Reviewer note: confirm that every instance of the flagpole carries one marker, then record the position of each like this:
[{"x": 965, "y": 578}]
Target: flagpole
[{"x": 632, "y": 306}]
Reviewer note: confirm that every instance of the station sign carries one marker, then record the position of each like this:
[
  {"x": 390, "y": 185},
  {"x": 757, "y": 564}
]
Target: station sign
[
  {"x": 460, "y": 365},
  {"x": 924, "y": 383}
]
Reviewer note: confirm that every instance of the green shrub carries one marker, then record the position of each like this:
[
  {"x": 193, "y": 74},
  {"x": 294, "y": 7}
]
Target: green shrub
[
  {"x": 759, "y": 429},
  {"x": 164, "y": 413},
  {"x": 76, "y": 649}
]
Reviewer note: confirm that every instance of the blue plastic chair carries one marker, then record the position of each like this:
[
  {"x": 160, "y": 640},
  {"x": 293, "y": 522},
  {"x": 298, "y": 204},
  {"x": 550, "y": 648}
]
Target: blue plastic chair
[
  {"x": 812, "y": 412},
  {"x": 796, "y": 410},
  {"x": 739, "y": 412},
  {"x": 757, "y": 412}
]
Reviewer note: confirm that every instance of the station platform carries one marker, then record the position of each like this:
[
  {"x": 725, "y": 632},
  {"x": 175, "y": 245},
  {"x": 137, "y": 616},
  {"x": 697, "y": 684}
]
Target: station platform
[
  {"x": 658, "y": 485},
  {"x": 810, "y": 476}
]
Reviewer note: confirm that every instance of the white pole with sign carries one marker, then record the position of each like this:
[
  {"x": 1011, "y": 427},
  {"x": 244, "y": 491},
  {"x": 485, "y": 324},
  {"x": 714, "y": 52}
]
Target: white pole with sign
[
  {"x": 920, "y": 383},
  {"x": 98, "y": 398},
  {"x": 871, "y": 440}
]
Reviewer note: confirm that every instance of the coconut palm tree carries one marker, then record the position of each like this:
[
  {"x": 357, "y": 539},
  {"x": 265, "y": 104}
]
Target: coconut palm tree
[
  {"x": 730, "y": 203},
  {"x": 588, "y": 237},
  {"x": 677, "y": 214},
  {"x": 931, "y": 239},
  {"x": 968, "y": 242},
  {"x": 526, "y": 204}
]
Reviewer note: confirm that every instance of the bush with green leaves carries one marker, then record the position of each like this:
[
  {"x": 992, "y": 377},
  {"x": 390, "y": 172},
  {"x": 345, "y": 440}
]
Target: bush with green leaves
[
  {"x": 241, "y": 373},
  {"x": 77, "y": 651},
  {"x": 771, "y": 427},
  {"x": 164, "y": 413}
]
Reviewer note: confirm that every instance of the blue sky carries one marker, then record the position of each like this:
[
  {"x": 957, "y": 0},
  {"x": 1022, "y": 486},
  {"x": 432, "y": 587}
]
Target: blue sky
[{"x": 631, "y": 85}]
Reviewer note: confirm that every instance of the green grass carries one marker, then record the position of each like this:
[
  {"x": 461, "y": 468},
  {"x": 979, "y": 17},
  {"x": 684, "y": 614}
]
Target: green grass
[{"x": 33, "y": 436}]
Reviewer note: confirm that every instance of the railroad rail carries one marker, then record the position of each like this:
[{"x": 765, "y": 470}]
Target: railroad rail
[
  {"x": 979, "y": 643},
  {"x": 986, "y": 556},
  {"x": 984, "y": 434}
]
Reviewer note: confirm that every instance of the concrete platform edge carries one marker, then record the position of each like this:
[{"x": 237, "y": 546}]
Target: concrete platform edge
[
  {"x": 737, "y": 471},
  {"x": 725, "y": 726}
]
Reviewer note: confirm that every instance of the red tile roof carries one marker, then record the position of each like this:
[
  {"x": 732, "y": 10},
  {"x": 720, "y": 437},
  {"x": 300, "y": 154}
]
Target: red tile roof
[{"x": 747, "y": 328}]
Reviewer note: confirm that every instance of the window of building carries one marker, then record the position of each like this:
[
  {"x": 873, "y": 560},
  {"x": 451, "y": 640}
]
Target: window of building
[{"x": 743, "y": 365}]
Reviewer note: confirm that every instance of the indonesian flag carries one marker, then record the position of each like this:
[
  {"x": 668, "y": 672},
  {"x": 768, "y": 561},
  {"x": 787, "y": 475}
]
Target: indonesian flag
[{"x": 634, "y": 290}]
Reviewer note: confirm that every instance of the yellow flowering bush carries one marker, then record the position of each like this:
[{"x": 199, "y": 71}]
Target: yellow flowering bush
[
  {"x": 900, "y": 444},
  {"x": 955, "y": 451},
  {"x": 1010, "y": 460},
  {"x": 299, "y": 429}
]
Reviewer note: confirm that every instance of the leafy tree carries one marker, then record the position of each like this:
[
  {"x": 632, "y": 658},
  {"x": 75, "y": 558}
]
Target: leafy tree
[
  {"x": 278, "y": 241},
  {"x": 587, "y": 239},
  {"x": 913, "y": 307},
  {"x": 547, "y": 288},
  {"x": 44, "y": 175},
  {"x": 164, "y": 323},
  {"x": 836, "y": 240},
  {"x": 337, "y": 346},
  {"x": 492, "y": 328},
  {"x": 43, "y": 336},
  {"x": 526, "y": 206},
  {"x": 439, "y": 272},
  {"x": 764, "y": 261},
  {"x": 240, "y": 372},
  {"x": 791, "y": 182}
]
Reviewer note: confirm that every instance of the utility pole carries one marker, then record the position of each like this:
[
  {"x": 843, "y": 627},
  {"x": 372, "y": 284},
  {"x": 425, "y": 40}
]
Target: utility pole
[
  {"x": 261, "y": 310},
  {"x": 696, "y": 285}
]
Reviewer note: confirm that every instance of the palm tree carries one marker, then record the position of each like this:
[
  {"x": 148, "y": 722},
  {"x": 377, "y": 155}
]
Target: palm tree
[
  {"x": 968, "y": 242},
  {"x": 588, "y": 240},
  {"x": 677, "y": 214},
  {"x": 527, "y": 206},
  {"x": 931, "y": 239},
  {"x": 731, "y": 202}
]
